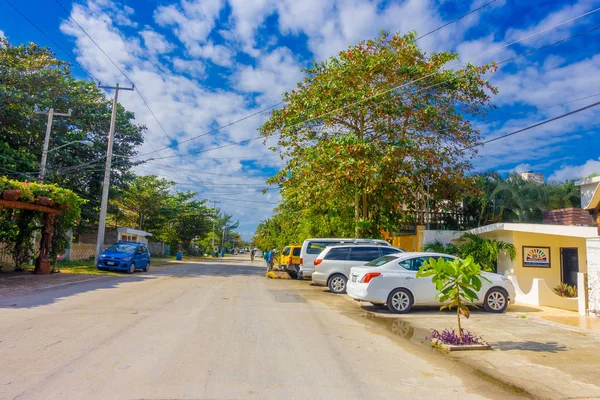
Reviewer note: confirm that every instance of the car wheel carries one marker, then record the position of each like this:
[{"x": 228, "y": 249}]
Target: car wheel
[
  {"x": 496, "y": 301},
  {"x": 147, "y": 267},
  {"x": 400, "y": 301},
  {"x": 337, "y": 283},
  {"x": 131, "y": 269}
]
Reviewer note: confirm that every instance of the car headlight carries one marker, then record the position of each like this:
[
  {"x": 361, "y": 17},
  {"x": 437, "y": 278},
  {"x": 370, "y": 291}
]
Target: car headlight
[{"x": 126, "y": 258}]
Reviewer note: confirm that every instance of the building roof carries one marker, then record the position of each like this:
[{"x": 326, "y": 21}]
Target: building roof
[
  {"x": 545, "y": 229},
  {"x": 131, "y": 231},
  {"x": 590, "y": 193}
]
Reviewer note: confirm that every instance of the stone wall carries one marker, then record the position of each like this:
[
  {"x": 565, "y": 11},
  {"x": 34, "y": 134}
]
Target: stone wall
[{"x": 569, "y": 216}]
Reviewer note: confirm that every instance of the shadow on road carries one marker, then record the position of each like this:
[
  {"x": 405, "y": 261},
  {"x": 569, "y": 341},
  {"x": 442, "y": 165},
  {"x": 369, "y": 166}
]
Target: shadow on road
[
  {"x": 49, "y": 294},
  {"x": 547, "y": 347},
  {"x": 29, "y": 291}
]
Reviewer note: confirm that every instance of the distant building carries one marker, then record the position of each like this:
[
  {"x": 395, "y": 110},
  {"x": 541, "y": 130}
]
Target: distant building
[{"x": 531, "y": 176}]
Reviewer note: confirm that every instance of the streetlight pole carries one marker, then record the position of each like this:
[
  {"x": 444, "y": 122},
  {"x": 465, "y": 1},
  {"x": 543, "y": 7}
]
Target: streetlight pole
[
  {"x": 51, "y": 115},
  {"x": 105, "y": 185}
]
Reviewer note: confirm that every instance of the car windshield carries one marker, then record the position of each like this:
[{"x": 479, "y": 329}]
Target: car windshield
[
  {"x": 122, "y": 248},
  {"x": 380, "y": 261}
]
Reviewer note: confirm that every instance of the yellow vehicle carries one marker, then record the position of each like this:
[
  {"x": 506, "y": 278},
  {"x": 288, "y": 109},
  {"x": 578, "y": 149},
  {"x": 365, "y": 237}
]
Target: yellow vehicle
[{"x": 290, "y": 259}]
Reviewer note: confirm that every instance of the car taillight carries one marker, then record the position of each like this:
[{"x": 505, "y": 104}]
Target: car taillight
[
  {"x": 301, "y": 260},
  {"x": 317, "y": 261},
  {"x": 367, "y": 278},
  {"x": 290, "y": 261}
]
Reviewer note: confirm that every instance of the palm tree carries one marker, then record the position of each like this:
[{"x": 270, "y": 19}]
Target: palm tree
[
  {"x": 438, "y": 247},
  {"x": 484, "y": 251},
  {"x": 523, "y": 199}
]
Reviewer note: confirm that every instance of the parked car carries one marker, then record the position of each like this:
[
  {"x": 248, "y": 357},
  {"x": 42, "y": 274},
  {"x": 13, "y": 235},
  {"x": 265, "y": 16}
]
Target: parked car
[
  {"x": 391, "y": 280},
  {"x": 290, "y": 259},
  {"x": 311, "y": 248},
  {"x": 125, "y": 256},
  {"x": 332, "y": 265}
]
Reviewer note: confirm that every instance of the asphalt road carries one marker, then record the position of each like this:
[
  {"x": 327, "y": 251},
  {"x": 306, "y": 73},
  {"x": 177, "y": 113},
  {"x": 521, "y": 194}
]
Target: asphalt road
[{"x": 212, "y": 331}]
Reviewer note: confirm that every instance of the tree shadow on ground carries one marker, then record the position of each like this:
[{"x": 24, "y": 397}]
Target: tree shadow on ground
[
  {"x": 545, "y": 347},
  {"x": 52, "y": 293},
  {"x": 30, "y": 293}
]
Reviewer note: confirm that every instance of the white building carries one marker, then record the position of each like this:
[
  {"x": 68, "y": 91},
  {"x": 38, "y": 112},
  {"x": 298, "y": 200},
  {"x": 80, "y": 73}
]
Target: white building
[{"x": 531, "y": 176}]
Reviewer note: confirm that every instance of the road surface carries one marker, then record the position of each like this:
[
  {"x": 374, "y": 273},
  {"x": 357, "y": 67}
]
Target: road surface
[{"x": 212, "y": 330}]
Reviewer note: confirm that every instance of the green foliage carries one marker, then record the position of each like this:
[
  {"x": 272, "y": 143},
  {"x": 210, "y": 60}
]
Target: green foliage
[
  {"x": 438, "y": 247},
  {"x": 30, "y": 76},
  {"x": 18, "y": 225},
  {"x": 565, "y": 290},
  {"x": 457, "y": 283},
  {"x": 484, "y": 251},
  {"x": 353, "y": 165},
  {"x": 515, "y": 200}
]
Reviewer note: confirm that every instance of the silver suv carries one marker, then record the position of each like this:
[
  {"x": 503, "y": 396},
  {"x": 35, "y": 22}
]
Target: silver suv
[{"x": 332, "y": 266}]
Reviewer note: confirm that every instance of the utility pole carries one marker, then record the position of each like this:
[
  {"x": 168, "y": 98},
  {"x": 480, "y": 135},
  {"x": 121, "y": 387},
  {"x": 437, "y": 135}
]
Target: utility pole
[
  {"x": 214, "y": 222},
  {"x": 51, "y": 115},
  {"x": 105, "y": 185}
]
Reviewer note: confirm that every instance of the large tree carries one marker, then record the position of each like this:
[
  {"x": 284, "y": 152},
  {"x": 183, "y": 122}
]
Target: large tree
[
  {"x": 31, "y": 76},
  {"x": 379, "y": 129}
]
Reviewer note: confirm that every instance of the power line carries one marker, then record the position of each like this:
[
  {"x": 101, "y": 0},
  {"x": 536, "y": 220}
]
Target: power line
[
  {"x": 50, "y": 39},
  {"x": 124, "y": 74},
  {"x": 455, "y": 20},
  {"x": 282, "y": 102},
  {"x": 535, "y": 125},
  {"x": 399, "y": 86}
]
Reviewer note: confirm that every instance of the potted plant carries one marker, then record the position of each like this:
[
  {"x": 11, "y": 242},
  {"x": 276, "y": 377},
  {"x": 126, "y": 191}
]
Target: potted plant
[{"x": 457, "y": 283}]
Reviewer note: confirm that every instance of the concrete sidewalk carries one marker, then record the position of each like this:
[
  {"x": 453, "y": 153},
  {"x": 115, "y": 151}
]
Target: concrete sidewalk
[{"x": 544, "y": 358}]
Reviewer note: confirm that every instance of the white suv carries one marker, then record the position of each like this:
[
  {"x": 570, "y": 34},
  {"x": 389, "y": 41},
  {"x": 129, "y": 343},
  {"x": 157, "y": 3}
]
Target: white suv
[
  {"x": 311, "y": 248},
  {"x": 332, "y": 266}
]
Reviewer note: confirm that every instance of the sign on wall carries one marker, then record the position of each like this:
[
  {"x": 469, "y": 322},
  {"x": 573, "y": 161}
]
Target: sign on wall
[{"x": 536, "y": 257}]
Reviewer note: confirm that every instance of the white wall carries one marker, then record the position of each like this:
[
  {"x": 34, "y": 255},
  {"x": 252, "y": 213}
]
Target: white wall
[{"x": 442, "y": 236}]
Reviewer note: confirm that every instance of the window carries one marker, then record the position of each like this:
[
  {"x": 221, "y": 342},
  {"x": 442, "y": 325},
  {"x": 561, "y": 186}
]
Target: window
[
  {"x": 286, "y": 251},
  {"x": 317, "y": 247},
  {"x": 337, "y": 253},
  {"x": 385, "y": 251},
  {"x": 144, "y": 249},
  {"x": 360, "y": 253},
  {"x": 296, "y": 252},
  {"x": 128, "y": 248},
  {"x": 406, "y": 264},
  {"x": 418, "y": 262},
  {"x": 378, "y": 262},
  {"x": 140, "y": 250}
]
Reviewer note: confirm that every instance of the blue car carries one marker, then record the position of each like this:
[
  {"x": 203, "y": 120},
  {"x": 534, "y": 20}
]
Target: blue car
[{"x": 125, "y": 256}]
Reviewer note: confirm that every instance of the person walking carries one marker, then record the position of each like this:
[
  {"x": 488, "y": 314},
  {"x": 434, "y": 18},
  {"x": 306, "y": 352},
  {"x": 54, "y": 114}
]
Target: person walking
[
  {"x": 270, "y": 260},
  {"x": 252, "y": 255}
]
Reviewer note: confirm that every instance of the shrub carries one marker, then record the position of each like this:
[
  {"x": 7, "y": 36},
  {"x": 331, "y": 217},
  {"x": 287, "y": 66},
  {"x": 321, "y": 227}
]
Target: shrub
[
  {"x": 457, "y": 283},
  {"x": 565, "y": 290},
  {"x": 447, "y": 336}
]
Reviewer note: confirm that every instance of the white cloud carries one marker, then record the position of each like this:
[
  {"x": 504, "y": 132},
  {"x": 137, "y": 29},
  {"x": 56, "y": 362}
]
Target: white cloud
[
  {"x": 2, "y": 35},
  {"x": 275, "y": 73},
  {"x": 192, "y": 21},
  {"x": 155, "y": 42},
  {"x": 519, "y": 169},
  {"x": 576, "y": 171},
  {"x": 193, "y": 68}
]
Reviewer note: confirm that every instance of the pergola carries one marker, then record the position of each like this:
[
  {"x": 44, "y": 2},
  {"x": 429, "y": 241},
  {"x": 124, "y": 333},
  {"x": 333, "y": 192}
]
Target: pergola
[{"x": 42, "y": 262}]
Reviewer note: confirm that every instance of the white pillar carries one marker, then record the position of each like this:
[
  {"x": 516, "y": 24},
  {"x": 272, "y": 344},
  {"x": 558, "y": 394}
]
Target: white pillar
[
  {"x": 593, "y": 265},
  {"x": 582, "y": 299}
]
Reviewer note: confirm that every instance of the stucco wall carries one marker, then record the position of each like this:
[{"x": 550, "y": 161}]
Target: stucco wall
[
  {"x": 441, "y": 236},
  {"x": 525, "y": 275}
]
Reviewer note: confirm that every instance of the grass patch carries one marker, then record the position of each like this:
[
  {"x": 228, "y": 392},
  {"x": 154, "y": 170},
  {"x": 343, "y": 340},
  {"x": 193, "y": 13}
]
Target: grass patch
[{"x": 82, "y": 267}]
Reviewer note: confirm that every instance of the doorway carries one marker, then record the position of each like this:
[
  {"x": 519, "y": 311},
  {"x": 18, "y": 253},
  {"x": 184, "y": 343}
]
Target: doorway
[{"x": 569, "y": 265}]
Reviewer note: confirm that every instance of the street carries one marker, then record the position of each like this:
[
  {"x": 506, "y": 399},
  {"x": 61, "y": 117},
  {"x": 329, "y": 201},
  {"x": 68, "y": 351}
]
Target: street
[{"x": 211, "y": 330}]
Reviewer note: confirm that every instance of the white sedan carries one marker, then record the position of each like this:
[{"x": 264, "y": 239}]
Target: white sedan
[{"x": 392, "y": 280}]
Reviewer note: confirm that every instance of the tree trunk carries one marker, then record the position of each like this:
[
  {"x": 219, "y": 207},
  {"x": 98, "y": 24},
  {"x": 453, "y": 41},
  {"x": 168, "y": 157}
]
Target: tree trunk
[{"x": 356, "y": 215}]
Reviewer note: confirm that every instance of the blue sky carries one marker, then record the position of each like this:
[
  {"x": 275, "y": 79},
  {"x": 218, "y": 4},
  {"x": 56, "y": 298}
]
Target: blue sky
[{"x": 204, "y": 64}]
